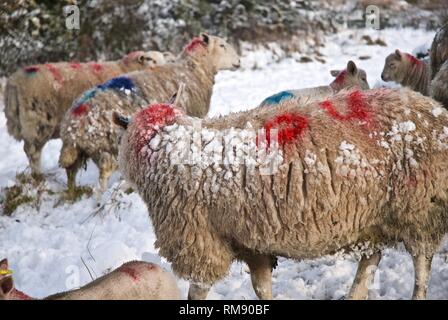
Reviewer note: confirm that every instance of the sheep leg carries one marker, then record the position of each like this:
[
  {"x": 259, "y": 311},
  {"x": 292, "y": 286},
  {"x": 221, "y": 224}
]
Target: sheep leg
[
  {"x": 106, "y": 165},
  {"x": 260, "y": 267},
  {"x": 198, "y": 291},
  {"x": 422, "y": 267},
  {"x": 71, "y": 178},
  {"x": 33, "y": 152},
  {"x": 364, "y": 277}
]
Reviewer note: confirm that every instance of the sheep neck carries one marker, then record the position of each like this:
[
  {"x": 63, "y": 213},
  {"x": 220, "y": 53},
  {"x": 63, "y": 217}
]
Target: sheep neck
[{"x": 416, "y": 76}]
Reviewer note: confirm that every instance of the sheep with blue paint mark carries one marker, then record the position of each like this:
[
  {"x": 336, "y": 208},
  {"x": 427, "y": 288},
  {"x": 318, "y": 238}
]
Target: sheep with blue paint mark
[
  {"x": 87, "y": 130},
  {"x": 37, "y": 97},
  {"x": 350, "y": 77}
]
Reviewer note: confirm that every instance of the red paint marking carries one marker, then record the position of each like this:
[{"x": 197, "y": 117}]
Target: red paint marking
[
  {"x": 55, "y": 72},
  {"x": 80, "y": 110},
  {"x": 75, "y": 65},
  {"x": 414, "y": 61},
  {"x": 194, "y": 43},
  {"x": 31, "y": 69},
  {"x": 96, "y": 67},
  {"x": 338, "y": 82},
  {"x": 151, "y": 119},
  {"x": 290, "y": 126},
  {"x": 19, "y": 295},
  {"x": 130, "y": 272},
  {"x": 357, "y": 108}
]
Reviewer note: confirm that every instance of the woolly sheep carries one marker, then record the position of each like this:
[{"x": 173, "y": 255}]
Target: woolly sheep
[
  {"x": 37, "y": 97},
  {"x": 439, "y": 66},
  {"x": 407, "y": 70},
  {"x": 87, "y": 130},
  {"x": 135, "y": 280},
  {"x": 366, "y": 169},
  {"x": 344, "y": 79}
]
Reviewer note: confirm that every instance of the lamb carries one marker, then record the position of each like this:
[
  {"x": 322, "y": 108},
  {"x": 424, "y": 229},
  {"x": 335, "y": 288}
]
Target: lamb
[
  {"x": 407, "y": 70},
  {"x": 347, "y": 78},
  {"x": 439, "y": 66},
  {"x": 294, "y": 180},
  {"x": 135, "y": 280},
  {"x": 36, "y": 97},
  {"x": 87, "y": 130}
]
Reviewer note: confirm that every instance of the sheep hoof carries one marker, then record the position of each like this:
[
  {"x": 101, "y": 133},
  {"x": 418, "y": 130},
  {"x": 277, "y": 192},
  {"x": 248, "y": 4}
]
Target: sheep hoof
[
  {"x": 76, "y": 193},
  {"x": 38, "y": 177}
]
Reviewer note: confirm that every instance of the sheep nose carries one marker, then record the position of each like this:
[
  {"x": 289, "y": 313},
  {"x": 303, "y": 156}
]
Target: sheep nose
[{"x": 382, "y": 77}]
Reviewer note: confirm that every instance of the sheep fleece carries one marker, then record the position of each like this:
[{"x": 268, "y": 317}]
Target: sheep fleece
[{"x": 368, "y": 166}]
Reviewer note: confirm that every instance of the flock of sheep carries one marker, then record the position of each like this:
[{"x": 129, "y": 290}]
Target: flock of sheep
[{"x": 308, "y": 172}]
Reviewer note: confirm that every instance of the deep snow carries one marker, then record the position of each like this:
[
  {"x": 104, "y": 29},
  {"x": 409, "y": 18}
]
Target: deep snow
[{"x": 49, "y": 246}]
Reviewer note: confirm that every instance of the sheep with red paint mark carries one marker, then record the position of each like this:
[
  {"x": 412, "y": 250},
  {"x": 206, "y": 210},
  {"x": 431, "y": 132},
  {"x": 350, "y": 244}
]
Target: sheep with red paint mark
[
  {"x": 134, "y": 280},
  {"x": 353, "y": 173},
  {"x": 37, "y": 97},
  {"x": 348, "y": 78},
  {"x": 93, "y": 135},
  {"x": 407, "y": 70}
]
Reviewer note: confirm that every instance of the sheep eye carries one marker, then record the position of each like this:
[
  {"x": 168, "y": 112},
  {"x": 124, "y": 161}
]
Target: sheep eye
[{"x": 222, "y": 45}]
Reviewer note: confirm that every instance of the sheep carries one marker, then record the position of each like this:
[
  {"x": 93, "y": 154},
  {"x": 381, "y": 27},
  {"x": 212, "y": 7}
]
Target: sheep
[
  {"x": 36, "y": 97},
  {"x": 87, "y": 130},
  {"x": 135, "y": 280},
  {"x": 358, "y": 169},
  {"x": 439, "y": 85},
  {"x": 407, "y": 70},
  {"x": 439, "y": 66},
  {"x": 348, "y": 78},
  {"x": 438, "y": 53}
]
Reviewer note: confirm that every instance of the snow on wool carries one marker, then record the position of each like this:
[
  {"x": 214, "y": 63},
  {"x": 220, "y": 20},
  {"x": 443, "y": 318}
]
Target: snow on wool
[
  {"x": 41, "y": 94},
  {"x": 54, "y": 237}
]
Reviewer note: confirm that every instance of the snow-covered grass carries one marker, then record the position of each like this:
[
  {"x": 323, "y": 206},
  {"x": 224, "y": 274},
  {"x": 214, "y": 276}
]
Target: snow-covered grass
[{"x": 52, "y": 245}]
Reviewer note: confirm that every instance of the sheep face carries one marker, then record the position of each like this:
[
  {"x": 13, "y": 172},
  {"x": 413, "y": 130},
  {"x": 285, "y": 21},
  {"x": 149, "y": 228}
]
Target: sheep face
[
  {"x": 6, "y": 281},
  {"x": 223, "y": 55},
  {"x": 397, "y": 65},
  {"x": 169, "y": 57},
  {"x": 350, "y": 77},
  {"x": 140, "y": 59}
]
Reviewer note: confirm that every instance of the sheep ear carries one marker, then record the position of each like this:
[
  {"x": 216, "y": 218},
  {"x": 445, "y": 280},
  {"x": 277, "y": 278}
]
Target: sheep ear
[
  {"x": 351, "y": 67},
  {"x": 120, "y": 120},
  {"x": 398, "y": 54},
  {"x": 6, "y": 285},
  {"x": 205, "y": 38},
  {"x": 335, "y": 73},
  {"x": 141, "y": 59}
]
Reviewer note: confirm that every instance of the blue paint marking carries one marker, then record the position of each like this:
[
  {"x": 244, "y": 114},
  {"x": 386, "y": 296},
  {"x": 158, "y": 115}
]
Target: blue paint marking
[
  {"x": 89, "y": 94},
  {"x": 120, "y": 83},
  {"x": 277, "y": 98}
]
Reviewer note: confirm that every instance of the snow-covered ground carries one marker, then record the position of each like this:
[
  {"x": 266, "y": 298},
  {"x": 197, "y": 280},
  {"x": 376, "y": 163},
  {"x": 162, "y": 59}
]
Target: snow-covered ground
[{"x": 53, "y": 245}]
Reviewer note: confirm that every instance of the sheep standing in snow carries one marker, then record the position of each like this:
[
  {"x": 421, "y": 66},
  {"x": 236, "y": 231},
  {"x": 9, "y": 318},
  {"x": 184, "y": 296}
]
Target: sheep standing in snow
[
  {"x": 439, "y": 66},
  {"x": 407, "y": 70},
  {"x": 87, "y": 130},
  {"x": 37, "y": 97},
  {"x": 348, "y": 78},
  {"x": 294, "y": 180},
  {"x": 135, "y": 280}
]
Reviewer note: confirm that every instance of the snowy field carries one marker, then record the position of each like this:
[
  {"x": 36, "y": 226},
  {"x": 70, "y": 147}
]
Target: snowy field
[{"x": 53, "y": 245}]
